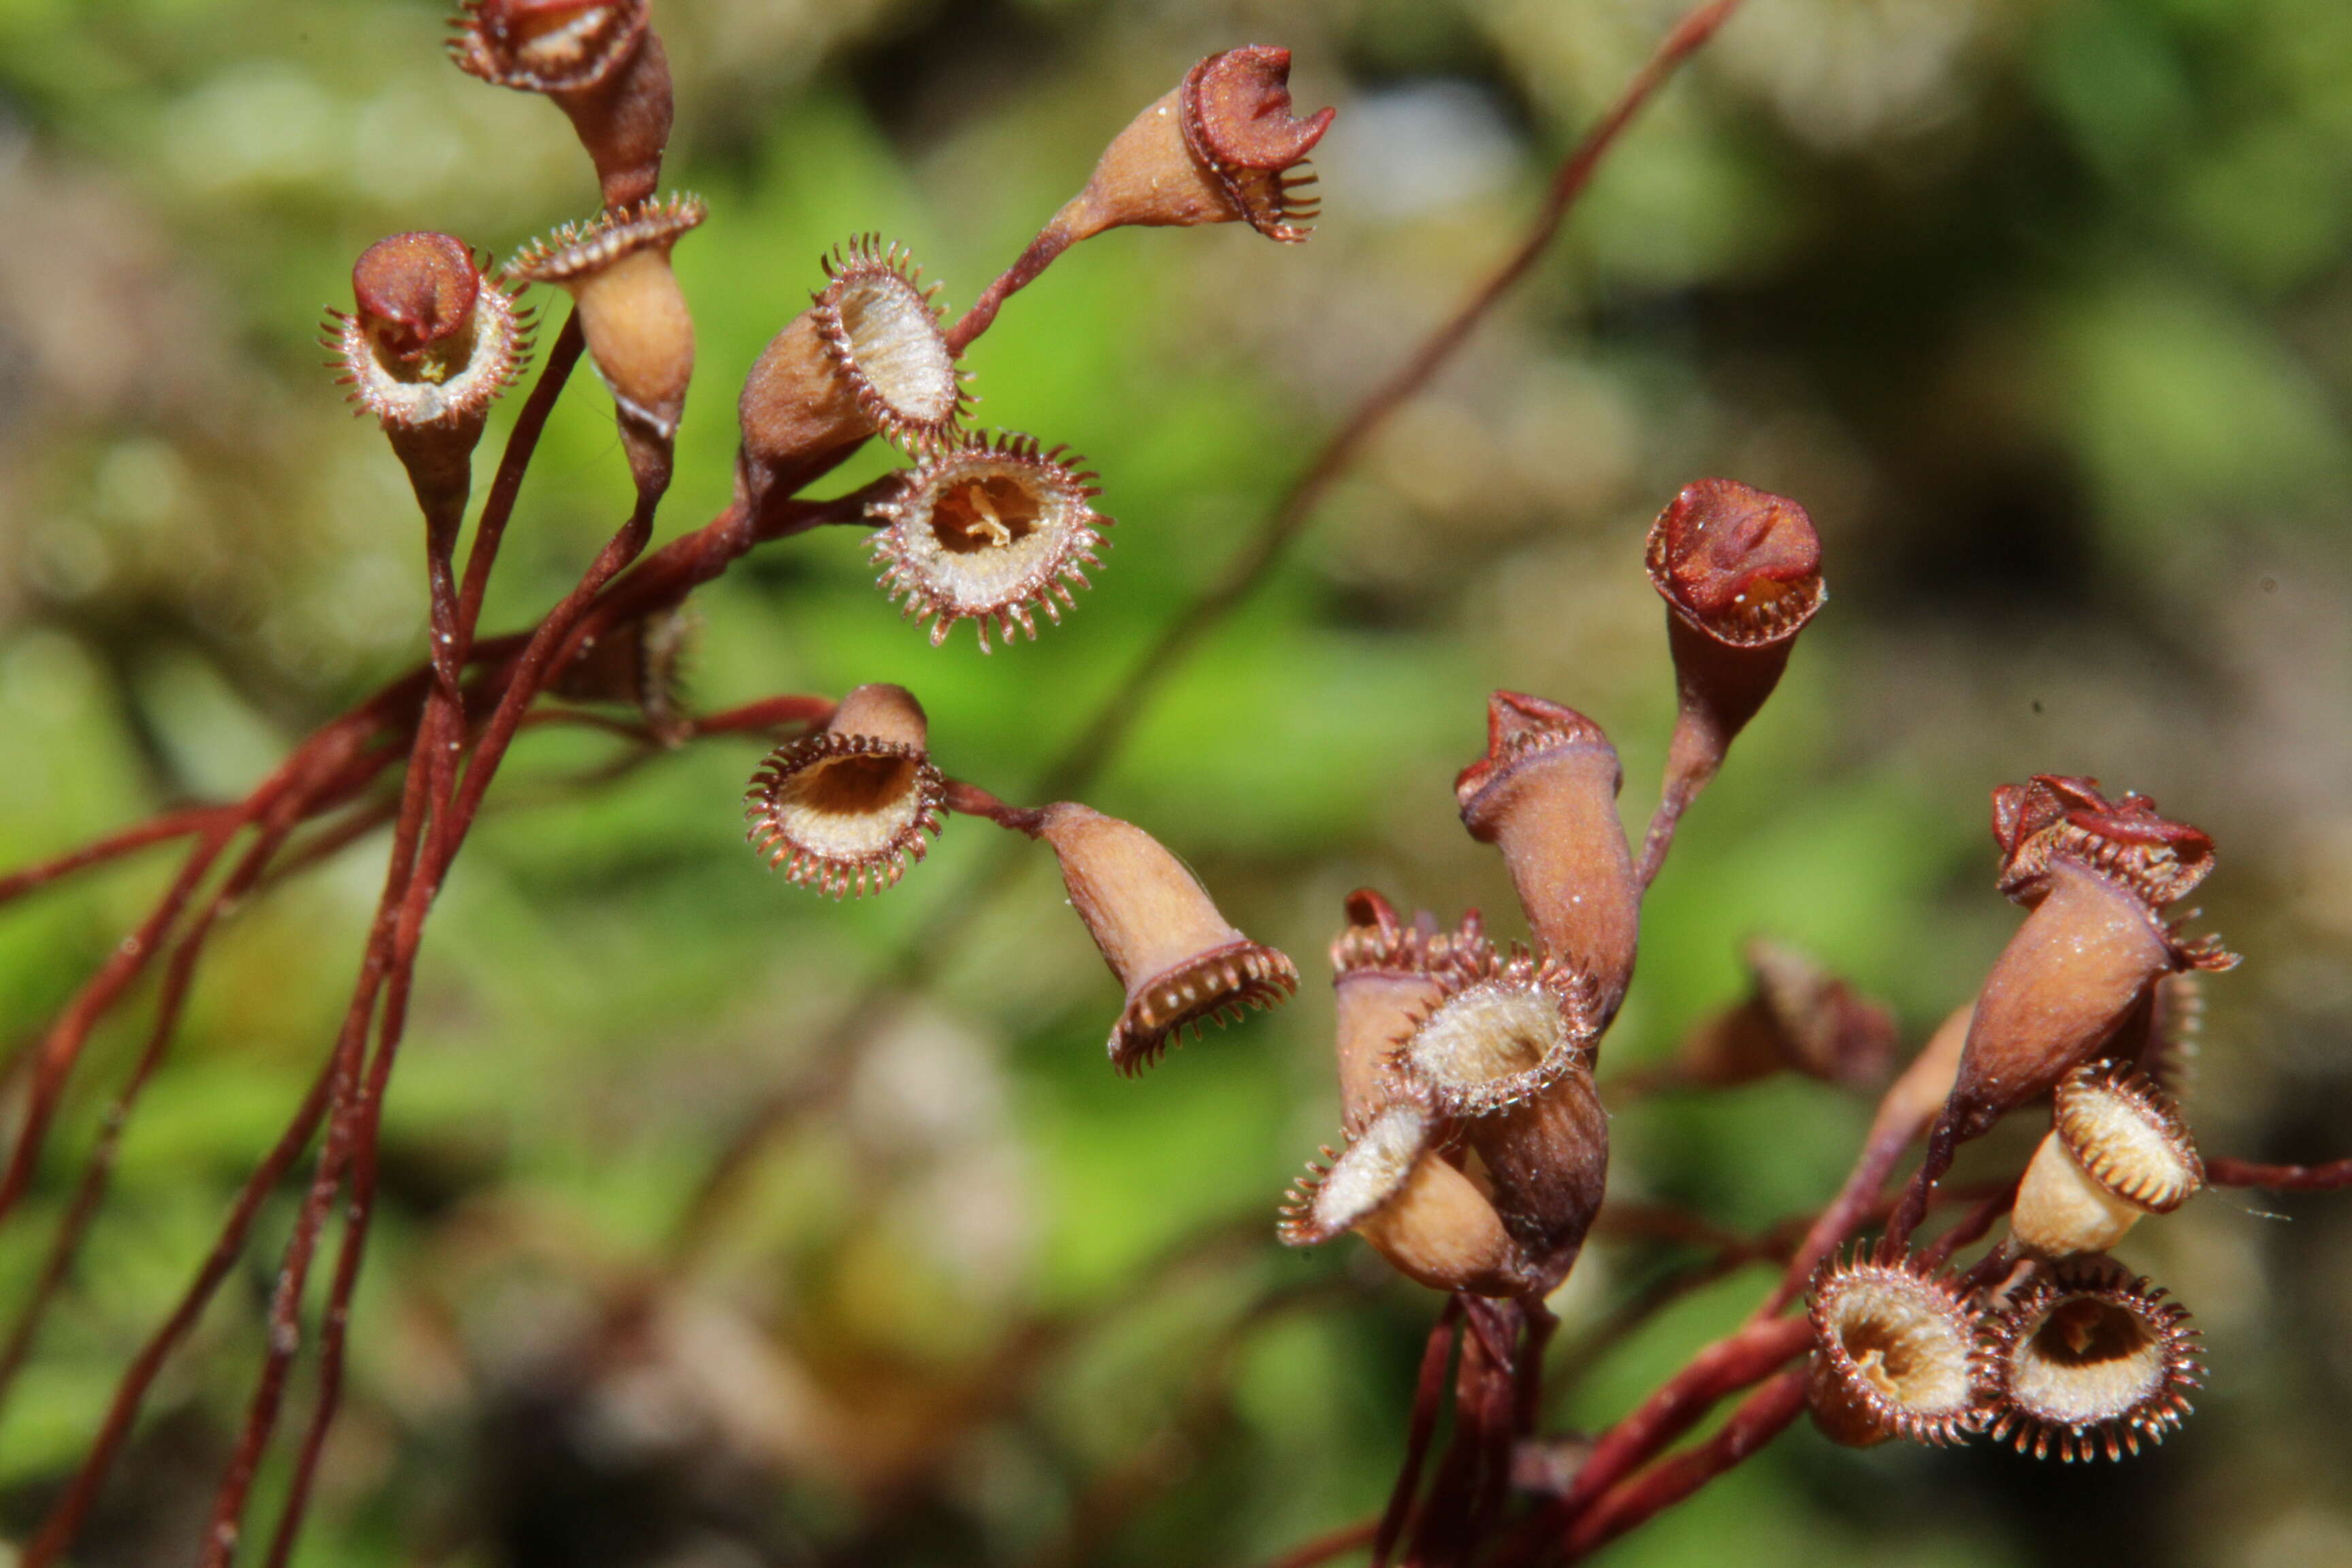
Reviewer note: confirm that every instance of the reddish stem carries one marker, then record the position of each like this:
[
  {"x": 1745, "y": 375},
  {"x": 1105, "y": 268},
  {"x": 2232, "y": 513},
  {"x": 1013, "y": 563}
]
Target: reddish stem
[
  {"x": 1429, "y": 1394},
  {"x": 170, "y": 825},
  {"x": 60, "y": 1049},
  {"x": 178, "y": 976},
  {"x": 1760, "y": 1417},
  {"x": 1739, "y": 1359},
  {"x": 2224, "y": 1172}
]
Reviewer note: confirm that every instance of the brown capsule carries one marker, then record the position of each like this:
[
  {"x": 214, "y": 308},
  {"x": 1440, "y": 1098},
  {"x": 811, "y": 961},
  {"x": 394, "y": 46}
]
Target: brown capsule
[
  {"x": 2079, "y": 971},
  {"x": 430, "y": 345},
  {"x": 847, "y": 808},
  {"x": 1895, "y": 1355},
  {"x": 2089, "y": 1360},
  {"x": 1418, "y": 1211},
  {"x": 1740, "y": 571},
  {"x": 866, "y": 357},
  {"x": 633, "y": 312},
  {"x": 1798, "y": 1017},
  {"x": 1222, "y": 147},
  {"x": 1385, "y": 976},
  {"x": 1546, "y": 796},
  {"x": 1502, "y": 1030},
  {"x": 1547, "y": 1157},
  {"x": 1180, "y": 962},
  {"x": 986, "y": 532},
  {"x": 601, "y": 62}
]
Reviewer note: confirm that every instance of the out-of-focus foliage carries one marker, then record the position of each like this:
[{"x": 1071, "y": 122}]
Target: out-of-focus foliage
[{"x": 2043, "y": 307}]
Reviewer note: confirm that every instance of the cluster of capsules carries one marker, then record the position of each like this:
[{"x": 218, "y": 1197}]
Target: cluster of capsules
[
  {"x": 990, "y": 528},
  {"x": 2049, "y": 1342},
  {"x": 1477, "y": 1146}
]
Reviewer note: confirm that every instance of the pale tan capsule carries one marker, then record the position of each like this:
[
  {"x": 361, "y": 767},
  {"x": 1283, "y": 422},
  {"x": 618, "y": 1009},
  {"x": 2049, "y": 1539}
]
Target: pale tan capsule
[
  {"x": 1503, "y": 1030},
  {"x": 634, "y": 315},
  {"x": 2088, "y": 1360},
  {"x": 989, "y": 533},
  {"x": 1418, "y": 1211},
  {"x": 1895, "y": 1355},
  {"x": 846, "y": 808},
  {"x": 1183, "y": 965}
]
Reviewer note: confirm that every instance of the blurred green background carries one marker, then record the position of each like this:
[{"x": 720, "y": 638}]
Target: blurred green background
[{"x": 2042, "y": 307}]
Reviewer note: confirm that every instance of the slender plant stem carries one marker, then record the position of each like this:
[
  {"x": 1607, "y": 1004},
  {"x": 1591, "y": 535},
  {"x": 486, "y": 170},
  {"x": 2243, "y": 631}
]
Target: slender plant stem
[
  {"x": 1429, "y": 1394},
  {"x": 1759, "y": 1418},
  {"x": 178, "y": 977},
  {"x": 181, "y": 822},
  {"x": 2224, "y": 1172}
]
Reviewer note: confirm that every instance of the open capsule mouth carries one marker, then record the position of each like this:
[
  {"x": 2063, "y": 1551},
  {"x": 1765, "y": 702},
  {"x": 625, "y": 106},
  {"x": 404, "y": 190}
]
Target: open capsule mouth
[
  {"x": 1502, "y": 1032},
  {"x": 2128, "y": 1136},
  {"x": 989, "y": 533},
  {"x": 1372, "y": 1171},
  {"x": 844, "y": 812},
  {"x": 579, "y": 250},
  {"x": 1213, "y": 987},
  {"x": 447, "y": 382},
  {"x": 1901, "y": 1345},
  {"x": 547, "y": 46},
  {"x": 882, "y": 329},
  {"x": 1235, "y": 112},
  {"x": 2092, "y": 1361}
]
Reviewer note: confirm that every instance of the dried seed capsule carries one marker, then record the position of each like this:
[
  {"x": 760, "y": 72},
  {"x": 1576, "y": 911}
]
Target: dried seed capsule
[
  {"x": 1895, "y": 1355},
  {"x": 867, "y": 356},
  {"x": 1740, "y": 571},
  {"x": 1220, "y": 148},
  {"x": 983, "y": 532},
  {"x": 1385, "y": 976},
  {"x": 2118, "y": 1149},
  {"x": 430, "y": 345},
  {"x": 1181, "y": 963},
  {"x": 1546, "y": 795},
  {"x": 1427, "y": 1218},
  {"x": 1548, "y": 1158},
  {"x": 2096, "y": 877},
  {"x": 1503, "y": 1030},
  {"x": 602, "y": 63},
  {"x": 847, "y": 806},
  {"x": 2090, "y": 1361},
  {"x": 617, "y": 268},
  {"x": 1798, "y": 1016}
]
